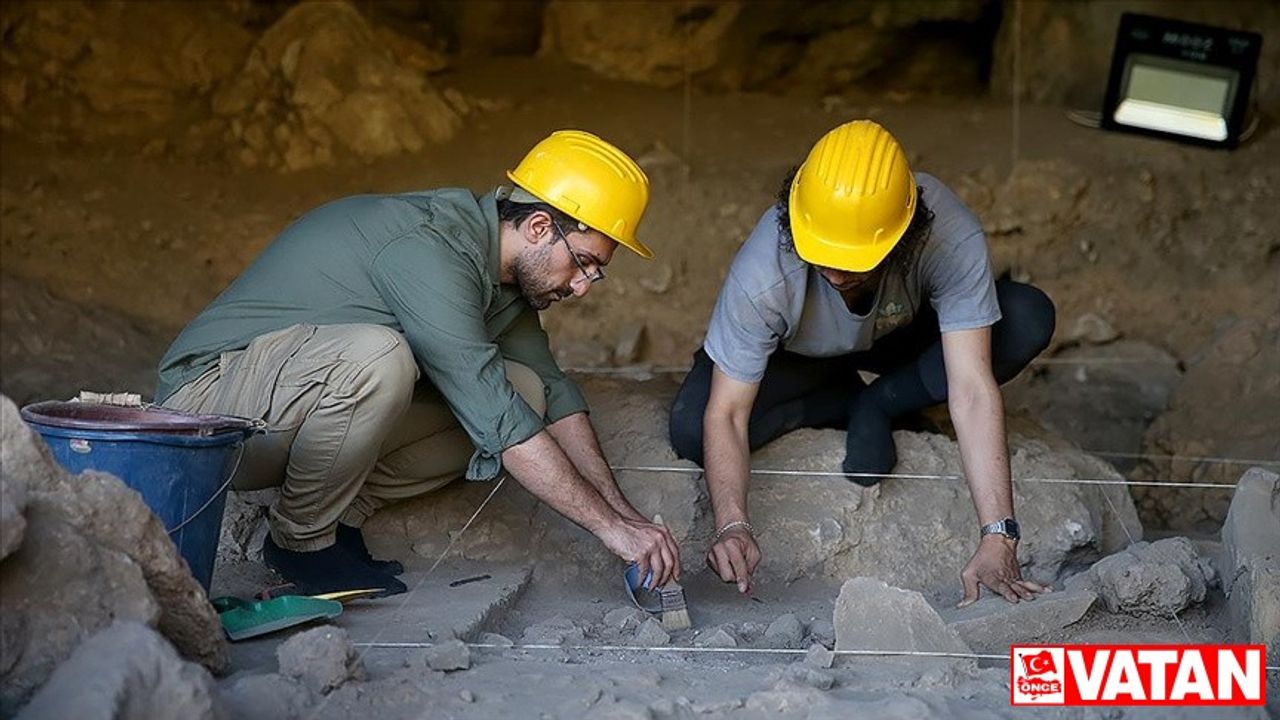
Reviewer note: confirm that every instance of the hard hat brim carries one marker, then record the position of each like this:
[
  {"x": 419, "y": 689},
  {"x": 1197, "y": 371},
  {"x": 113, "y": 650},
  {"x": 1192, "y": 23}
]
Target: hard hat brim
[{"x": 630, "y": 241}]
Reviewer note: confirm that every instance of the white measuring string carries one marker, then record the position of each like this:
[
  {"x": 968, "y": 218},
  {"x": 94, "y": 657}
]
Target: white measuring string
[
  {"x": 682, "y": 369},
  {"x": 698, "y": 650},
  {"x": 680, "y": 649},
  {"x": 924, "y": 476}
]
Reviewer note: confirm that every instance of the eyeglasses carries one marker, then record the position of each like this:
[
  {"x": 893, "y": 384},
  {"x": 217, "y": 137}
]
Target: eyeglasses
[{"x": 594, "y": 277}]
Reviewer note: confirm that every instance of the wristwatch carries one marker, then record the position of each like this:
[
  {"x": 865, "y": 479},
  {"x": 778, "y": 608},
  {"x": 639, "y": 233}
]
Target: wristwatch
[{"x": 1007, "y": 527}]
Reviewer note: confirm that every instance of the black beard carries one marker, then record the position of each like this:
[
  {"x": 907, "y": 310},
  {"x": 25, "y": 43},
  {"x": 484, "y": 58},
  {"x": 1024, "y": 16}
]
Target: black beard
[{"x": 530, "y": 272}]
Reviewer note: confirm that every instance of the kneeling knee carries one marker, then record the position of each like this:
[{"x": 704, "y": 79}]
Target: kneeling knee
[
  {"x": 391, "y": 374},
  {"x": 1031, "y": 313},
  {"x": 686, "y": 434}
]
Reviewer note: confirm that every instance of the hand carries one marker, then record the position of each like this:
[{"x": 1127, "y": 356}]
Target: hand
[
  {"x": 735, "y": 557},
  {"x": 651, "y": 547},
  {"x": 995, "y": 565}
]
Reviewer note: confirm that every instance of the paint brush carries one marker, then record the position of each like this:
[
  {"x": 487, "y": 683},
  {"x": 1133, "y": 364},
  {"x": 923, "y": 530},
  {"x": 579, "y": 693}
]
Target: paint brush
[{"x": 675, "y": 612}]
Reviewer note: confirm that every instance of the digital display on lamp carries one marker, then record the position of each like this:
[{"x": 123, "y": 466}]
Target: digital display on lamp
[{"x": 1180, "y": 80}]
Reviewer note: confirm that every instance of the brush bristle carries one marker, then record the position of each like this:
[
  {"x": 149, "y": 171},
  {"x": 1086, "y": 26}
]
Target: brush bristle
[
  {"x": 675, "y": 612},
  {"x": 675, "y": 620}
]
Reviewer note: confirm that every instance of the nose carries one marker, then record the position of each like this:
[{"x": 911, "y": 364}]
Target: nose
[
  {"x": 836, "y": 277},
  {"x": 580, "y": 286}
]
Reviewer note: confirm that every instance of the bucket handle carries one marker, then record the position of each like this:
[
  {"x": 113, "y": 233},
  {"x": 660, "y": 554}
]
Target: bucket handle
[{"x": 216, "y": 494}]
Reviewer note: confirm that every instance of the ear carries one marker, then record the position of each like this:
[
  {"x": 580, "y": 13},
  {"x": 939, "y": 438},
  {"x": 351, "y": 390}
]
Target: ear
[{"x": 537, "y": 228}]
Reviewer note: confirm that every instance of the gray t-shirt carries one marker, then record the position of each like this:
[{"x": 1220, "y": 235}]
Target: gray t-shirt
[{"x": 771, "y": 297}]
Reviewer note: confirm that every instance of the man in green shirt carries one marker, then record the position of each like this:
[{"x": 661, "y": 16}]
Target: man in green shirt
[{"x": 392, "y": 343}]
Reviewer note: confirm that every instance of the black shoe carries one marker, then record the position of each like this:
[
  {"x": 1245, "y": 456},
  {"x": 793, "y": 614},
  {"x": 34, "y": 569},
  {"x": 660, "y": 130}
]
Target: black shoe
[
  {"x": 332, "y": 569},
  {"x": 352, "y": 540}
]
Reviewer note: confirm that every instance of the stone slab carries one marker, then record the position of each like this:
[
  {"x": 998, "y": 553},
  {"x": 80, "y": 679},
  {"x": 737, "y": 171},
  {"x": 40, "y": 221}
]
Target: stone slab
[
  {"x": 872, "y": 615},
  {"x": 1251, "y": 565},
  {"x": 992, "y": 624}
]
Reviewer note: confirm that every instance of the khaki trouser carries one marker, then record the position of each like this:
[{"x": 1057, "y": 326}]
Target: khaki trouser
[{"x": 350, "y": 427}]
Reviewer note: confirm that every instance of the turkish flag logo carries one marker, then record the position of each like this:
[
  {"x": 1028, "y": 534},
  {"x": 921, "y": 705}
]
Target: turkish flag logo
[{"x": 1039, "y": 664}]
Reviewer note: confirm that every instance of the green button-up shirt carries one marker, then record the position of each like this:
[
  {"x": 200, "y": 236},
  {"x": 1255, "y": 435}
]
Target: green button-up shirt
[{"x": 424, "y": 264}]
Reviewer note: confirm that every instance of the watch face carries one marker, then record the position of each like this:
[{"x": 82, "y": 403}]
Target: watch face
[{"x": 1011, "y": 529}]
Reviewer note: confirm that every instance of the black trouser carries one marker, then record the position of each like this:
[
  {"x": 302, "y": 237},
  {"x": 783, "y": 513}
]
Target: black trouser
[{"x": 798, "y": 391}]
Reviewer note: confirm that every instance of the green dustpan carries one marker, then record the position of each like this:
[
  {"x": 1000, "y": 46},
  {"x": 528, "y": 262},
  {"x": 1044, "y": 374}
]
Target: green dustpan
[{"x": 250, "y": 618}]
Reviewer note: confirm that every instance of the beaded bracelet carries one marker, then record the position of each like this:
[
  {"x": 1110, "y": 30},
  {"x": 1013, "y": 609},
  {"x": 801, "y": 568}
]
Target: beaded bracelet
[{"x": 735, "y": 524}]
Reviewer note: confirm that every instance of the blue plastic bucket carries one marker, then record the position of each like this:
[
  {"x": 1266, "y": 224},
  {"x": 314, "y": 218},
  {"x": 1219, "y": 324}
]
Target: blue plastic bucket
[{"x": 181, "y": 464}]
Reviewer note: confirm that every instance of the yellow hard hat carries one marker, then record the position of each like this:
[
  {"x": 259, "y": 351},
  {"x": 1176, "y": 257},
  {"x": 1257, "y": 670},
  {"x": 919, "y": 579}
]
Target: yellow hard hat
[
  {"x": 591, "y": 181},
  {"x": 852, "y": 199}
]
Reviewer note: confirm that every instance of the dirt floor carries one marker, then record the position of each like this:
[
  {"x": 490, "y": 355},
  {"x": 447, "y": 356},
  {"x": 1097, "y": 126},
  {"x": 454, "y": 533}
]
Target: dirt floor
[
  {"x": 107, "y": 252},
  {"x": 574, "y": 657}
]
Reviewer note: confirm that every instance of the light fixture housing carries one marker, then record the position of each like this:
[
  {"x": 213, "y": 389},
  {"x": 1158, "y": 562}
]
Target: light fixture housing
[{"x": 1181, "y": 80}]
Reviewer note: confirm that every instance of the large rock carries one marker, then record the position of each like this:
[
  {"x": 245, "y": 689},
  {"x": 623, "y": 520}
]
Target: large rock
[
  {"x": 60, "y": 587},
  {"x": 872, "y": 615},
  {"x": 92, "y": 553},
  {"x": 321, "y": 81},
  {"x": 13, "y": 500},
  {"x": 1217, "y": 385},
  {"x": 1251, "y": 566},
  {"x": 992, "y": 624},
  {"x": 118, "y": 63},
  {"x": 322, "y": 658},
  {"x": 126, "y": 672},
  {"x": 653, "y": 43},
  {"x": 919, "y": 533},
  {"x": 916, "y": 534},
  {"x": 1156, "y": 579},
  {"x": 825, "y": 44},
  {"x": 857, "y": 40}
]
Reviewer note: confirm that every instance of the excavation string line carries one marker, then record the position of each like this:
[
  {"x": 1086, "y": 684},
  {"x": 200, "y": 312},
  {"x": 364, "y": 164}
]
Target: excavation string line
[
  {"x": 925, "y": 476},
  {"x": 704, "y": 650},
  {"x": 682, "y": 369}
]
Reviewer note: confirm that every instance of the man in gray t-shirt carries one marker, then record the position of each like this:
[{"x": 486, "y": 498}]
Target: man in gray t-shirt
[{"x": 861, "y": 265}]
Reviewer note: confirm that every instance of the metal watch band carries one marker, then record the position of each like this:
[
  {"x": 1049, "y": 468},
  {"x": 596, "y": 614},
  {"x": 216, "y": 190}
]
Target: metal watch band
[{"x": 1007, "y": 527}]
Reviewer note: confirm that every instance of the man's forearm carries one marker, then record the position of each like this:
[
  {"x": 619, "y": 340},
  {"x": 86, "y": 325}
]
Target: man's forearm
[
  {"x": 577, "y": 438},
  {"x": 540, "y": 465},
  {"x": 728, "y": 467},
  {"x": 978, "y": 415}
]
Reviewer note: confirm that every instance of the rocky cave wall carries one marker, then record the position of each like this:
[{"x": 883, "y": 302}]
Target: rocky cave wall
[{"x": 279, "y": 84}]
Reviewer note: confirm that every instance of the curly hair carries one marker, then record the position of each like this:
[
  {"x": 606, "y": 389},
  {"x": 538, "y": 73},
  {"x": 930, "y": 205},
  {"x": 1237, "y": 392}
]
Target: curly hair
[{"x": 903, "y": 255}]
